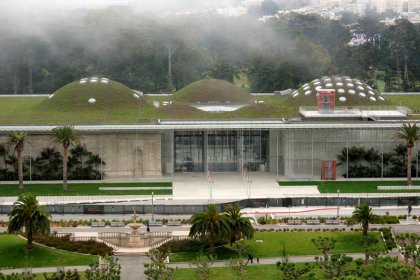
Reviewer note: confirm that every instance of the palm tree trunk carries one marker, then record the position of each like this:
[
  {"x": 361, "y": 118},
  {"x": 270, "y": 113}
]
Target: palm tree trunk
[
  {"x": 30, "y": 239},
  {"x": 409, "y": 151},
  {"x": 65, "y": 188},
  {"x": 365, "y": 229},
  {"x": 211, "y": 244},
  {"x": 20, "y": 170}
]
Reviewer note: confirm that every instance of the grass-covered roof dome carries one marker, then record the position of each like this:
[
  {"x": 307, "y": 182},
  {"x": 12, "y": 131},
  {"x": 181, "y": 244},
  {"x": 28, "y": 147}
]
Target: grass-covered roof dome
[
  {"x": 93, "y": 94},
  {"x": 211, "y": 90},
  {"x": 348, "y": 92}
]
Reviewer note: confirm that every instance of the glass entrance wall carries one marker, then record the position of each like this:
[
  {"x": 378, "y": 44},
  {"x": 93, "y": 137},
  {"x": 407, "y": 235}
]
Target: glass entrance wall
[
  {"x": 189, "y": 151},
  {"x": 221, "y": 151},
  {"x": 255, "y": 153}
]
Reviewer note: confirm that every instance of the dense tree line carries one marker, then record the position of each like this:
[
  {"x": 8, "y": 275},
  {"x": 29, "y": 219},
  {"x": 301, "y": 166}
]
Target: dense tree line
[{"x": 162, "y": 54}]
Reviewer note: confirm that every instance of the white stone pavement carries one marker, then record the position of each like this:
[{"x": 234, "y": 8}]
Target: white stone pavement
[{"x": 233, "y": 186}]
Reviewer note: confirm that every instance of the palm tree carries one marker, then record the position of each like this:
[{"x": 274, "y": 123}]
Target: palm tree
[
  {"x": 240, "y": 227},
  {"x": 49, "y": 164},
  {"x": 410, "y": 134},
  {"x": 27, "y": 213},
  {"x": 362, "y": 215},
  {"x": 210, "y": 225},
  {"x": 3, "y": 154},
  {"x": 65, "y": 135},
  {"x": 17, "y": 140}
]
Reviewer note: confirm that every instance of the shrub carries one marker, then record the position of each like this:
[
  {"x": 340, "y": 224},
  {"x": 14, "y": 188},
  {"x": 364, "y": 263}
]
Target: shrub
[
  {"x": 193, "y": 245},
  {"x": 386, "y": 220},
  {"x": 262, "y": 220},
  {"x": 87, "y": 247},
  {"x": 389, "y": 239}
]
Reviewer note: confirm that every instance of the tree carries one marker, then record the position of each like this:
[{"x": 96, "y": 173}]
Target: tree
[
  {"x": 239, "y": 226},
  {"x": 157, "y": 269},
  {"x": 409, "y": 246},
  {"x": 362, "y": 215},
  {"x": 202, "y": 267},
  {"x": 62, "y": 274},
  {"x": 3, "y": 154},
  {"x": 291, "y": 271},
  {"x": 210, "y": 225},
  {"x": 410, "y": 133},
  {"x": 369, "y": 244},
  {"x": 333, "y": 265},
  {"x": 27, "y": 213},
  {"x": 18, "y": 276},
  {"x": 238, "y": 265},
  {"x": 17, "y": 139},
  {"x": 241, "y": 247},
  {"x": 66, "y": 136},
  {"x": 324, "y": 244},
  {"x": 107, "y": 268}
]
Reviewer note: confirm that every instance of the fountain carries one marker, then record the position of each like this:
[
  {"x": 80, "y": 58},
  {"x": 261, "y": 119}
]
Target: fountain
[{"x": 135, "y": 238}]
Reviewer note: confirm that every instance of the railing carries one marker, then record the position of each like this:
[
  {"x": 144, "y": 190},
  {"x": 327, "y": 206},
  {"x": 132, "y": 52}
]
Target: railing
[
  {"x": 85, "y": 198},
  {"x": 113, "y": 235},
  {"x": 360, "y": 111},
  {"x": 398, "y": 187},
  {"x": 160, "y": 243},
  {"x": 62, "y": 234},
  {"x": 354, "y": 195},
  {"x": 133, "y": 188}
]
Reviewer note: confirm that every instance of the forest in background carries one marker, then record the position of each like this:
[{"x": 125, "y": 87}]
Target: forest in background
[{"x": 163, "y": 54}]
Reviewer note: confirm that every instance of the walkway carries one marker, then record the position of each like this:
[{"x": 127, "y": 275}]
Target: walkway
[
  {"x": 222, "y": 186},
  {"x": 132, "y": 267}
]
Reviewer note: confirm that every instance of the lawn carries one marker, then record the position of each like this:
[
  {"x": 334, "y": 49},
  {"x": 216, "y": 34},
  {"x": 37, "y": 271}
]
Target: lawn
[
  {"x": 352, "y": 186},
  {"x": 265, "y": 272},
  {"x": 253, "y": 272},
  {"x": 13, "y": 255},
  {"x": 296, "y": 244},
  {"x": 86, "y": 189}
]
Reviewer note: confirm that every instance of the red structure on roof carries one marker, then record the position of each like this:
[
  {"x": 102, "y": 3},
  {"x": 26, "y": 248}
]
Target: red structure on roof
[{"x": 325, "y": 100}]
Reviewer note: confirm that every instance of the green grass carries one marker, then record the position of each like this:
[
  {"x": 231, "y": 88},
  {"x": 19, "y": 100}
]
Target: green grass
[
  {"x": 352, "y": 186},
  {"x": 85, "y": 189},
  {"x": 296, "y": 244},
  {"x": 13, "y": 255},
  {"x": 116, "y": 104},
  {"x": 254, "y": 272},
  {"x": 211, "y": 90},
  {"x": 266, "y": 272}
]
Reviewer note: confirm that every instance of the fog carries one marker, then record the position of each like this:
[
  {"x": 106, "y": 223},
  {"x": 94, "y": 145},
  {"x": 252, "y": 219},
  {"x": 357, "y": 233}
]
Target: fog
[{"x": 48, "y": 43}]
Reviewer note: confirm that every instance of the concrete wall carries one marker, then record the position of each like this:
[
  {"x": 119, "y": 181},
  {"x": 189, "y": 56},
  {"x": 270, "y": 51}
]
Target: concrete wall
[{"x": 127, "y": 155}]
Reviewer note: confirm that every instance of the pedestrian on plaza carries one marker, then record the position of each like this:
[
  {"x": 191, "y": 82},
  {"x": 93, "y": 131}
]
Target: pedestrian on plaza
[
  {"x": 148, "y": 228},
  {"x": 249, "y": 257},
  {"x": 258, "y": 260},
  {"x": 252, "y": 258}
]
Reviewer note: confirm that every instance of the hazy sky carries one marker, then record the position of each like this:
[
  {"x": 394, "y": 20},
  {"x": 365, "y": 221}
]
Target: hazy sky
[{"x": 156, "y": 6}]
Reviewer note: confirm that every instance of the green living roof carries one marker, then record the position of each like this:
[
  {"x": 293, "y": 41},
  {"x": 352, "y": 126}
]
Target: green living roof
[
  {"x": 115, "y": 104},
  {"x": 211, "y": 90}
]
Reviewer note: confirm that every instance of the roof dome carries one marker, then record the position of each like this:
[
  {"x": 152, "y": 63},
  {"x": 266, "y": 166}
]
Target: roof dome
[
  {"x": 349, "y": 92},
  {"x": 211, "y": 90},
  {"x": 93, "y": 93}
]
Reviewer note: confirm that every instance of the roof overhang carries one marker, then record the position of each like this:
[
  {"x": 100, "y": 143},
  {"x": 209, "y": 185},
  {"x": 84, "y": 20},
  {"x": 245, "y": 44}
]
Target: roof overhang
[{"x": 212, "y": 125}]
